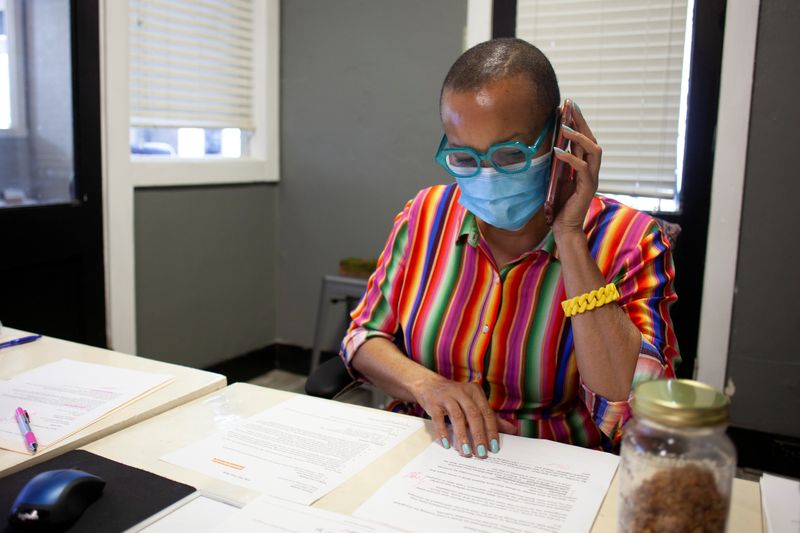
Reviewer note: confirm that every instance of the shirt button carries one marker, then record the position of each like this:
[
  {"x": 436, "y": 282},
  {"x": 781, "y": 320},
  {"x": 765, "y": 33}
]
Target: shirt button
[{"x": 486, "y": 328}]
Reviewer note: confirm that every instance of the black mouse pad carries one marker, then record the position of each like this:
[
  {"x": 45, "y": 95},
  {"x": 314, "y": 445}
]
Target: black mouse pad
[{"x": 130, "y": 495}]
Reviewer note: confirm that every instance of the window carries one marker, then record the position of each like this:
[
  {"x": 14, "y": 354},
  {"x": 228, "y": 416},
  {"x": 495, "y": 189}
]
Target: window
[
  {"x": 626, "y": 63},
  {"x": 190, "y": 142},
  {"x": 36, "y": 105},
  {"x": 191, "y": 78},
  {"x": 12, "y": 102},
  {"x": 5, "y": 73}
]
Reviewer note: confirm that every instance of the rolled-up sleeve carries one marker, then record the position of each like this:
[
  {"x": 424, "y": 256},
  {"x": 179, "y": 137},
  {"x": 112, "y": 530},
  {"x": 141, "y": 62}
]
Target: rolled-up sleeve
[
  {"x": 377, "y": 313},
  {"x": 645, "y": 284}
]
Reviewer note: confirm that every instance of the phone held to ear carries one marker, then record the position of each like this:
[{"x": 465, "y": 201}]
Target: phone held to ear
[{"x": 562, "y": 177}]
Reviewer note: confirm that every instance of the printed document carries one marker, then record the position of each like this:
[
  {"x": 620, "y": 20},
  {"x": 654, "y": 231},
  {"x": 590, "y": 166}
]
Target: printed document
[
  {"x": 531, "y": 485},
  {"x": 298, "y": 450},
  {"x": 65, "y": 396},
  {"x": 268, "y": 514},
  {"x": 780, "y": 499}
]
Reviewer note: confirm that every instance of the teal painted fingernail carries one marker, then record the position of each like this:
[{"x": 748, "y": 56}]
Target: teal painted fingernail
[
  {"x": 559, "y": 150},
  {"x": 567, "y": 128},
  {"x": 481, "y": 450},
  {"x": 445, "y": 443},
  {"x": 494, "y": 446},
  {"x": 465, "y": 448},
  {"x": 574, "y": 103}
]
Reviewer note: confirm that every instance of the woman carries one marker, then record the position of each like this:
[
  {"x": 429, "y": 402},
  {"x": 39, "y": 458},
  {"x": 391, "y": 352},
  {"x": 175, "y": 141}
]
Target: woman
[{"x": 463, "y": 317}]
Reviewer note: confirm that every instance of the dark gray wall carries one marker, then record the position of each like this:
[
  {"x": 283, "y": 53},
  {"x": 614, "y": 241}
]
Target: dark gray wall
[
  {"x": 360, "y": 85},
  {"x": 763, "y": 359},
  {"x": 205, "y": 272}
]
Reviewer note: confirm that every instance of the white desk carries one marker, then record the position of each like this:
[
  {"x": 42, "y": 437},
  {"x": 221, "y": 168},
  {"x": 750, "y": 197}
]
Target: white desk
[
  {"x": 141, "y": 446},
  {"x": 189, "y": 384}
]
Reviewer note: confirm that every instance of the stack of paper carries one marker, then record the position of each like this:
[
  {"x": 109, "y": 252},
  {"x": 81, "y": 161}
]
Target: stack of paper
[
  {"x": 299, "y": 450},
  {"x": 64, "y": 397}
]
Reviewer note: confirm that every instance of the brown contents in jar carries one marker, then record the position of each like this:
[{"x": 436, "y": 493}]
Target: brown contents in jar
[{"x": 677, "y": 500}]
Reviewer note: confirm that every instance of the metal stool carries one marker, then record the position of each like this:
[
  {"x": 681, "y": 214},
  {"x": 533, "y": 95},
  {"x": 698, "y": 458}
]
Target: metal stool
[{"x": 334, "y": 289}]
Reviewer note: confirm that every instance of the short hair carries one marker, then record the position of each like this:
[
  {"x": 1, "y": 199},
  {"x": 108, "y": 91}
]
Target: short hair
[{"x": 504, "y": 58}]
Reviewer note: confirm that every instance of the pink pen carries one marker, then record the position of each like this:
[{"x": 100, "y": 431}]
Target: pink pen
[{"x": 24, "y": 423}]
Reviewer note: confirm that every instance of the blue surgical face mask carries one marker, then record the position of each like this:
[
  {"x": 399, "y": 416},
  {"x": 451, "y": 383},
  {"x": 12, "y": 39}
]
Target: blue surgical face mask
[{"x": 506, "y": 201}]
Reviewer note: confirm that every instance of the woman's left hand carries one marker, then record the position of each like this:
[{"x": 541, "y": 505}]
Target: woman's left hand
[{"x": 584, "y": 157}]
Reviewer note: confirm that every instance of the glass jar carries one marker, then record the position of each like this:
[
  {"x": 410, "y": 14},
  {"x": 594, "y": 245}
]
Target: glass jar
[{"x": 677, "y": 464}]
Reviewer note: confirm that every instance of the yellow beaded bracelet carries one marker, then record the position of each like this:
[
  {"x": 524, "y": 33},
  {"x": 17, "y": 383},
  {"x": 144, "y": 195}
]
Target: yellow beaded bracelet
[{"x": 590, "y": 300}]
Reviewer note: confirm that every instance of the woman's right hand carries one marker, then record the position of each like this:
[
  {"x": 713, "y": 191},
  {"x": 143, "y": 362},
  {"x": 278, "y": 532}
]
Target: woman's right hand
[{"x": 475, "y": 425}]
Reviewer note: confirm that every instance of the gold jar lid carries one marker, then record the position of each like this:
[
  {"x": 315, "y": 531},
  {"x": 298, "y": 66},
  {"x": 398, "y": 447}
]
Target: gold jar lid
[{"x": 680, "y": 403}]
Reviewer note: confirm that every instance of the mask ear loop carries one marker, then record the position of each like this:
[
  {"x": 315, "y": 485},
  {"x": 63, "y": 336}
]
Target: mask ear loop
[
  {"x": 544, "y": 159},
  {"x": 549, "y": 155}
]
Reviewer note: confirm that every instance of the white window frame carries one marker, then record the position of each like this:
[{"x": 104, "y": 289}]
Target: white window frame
[
  {"x": 123, "y": 173},
  {"x": 16, "y": 68},
  {"x": 262, "y": 163}
]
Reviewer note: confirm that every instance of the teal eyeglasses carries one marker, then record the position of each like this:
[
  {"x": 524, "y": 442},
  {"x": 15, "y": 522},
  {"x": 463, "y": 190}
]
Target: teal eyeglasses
[{"x": 507, "y": 157}]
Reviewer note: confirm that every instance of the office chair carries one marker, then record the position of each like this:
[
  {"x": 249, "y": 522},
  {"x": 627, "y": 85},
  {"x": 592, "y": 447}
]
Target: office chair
[{"x": 331, "y": 379}]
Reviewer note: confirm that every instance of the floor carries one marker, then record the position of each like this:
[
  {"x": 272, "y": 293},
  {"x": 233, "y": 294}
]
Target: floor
[
  {"x": 291, "y": 382},
  {"x": 281, "y": 380}
]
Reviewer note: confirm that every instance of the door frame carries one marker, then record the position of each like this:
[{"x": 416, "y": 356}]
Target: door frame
[
  {"x": 727, "y": 191},
  {"x": 69, "y": 234}
]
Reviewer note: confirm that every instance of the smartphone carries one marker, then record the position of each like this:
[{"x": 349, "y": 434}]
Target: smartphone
[{"x": 562, "y": 178}]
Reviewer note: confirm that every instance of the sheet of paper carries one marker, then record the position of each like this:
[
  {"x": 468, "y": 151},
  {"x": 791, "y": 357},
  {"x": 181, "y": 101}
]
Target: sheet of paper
[
  {"x": 780, "y": 499},
  {"x": 65, "y": 396},
  {"x": 531, "y": 485},
  {"x": 200, "y": 514},
  {"x": 298, "y": 450},
  {"x": 268, "y": 514}
]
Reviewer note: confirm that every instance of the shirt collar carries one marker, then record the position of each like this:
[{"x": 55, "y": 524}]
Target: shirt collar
[
  {"x": 469, "y": 229},
  {"x": 548, "y": 244},
  {"x": 469, "y": 232}
]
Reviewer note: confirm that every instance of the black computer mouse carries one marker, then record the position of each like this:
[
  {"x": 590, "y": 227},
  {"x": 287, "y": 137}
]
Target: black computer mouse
[{"x": 55, "y": 499}]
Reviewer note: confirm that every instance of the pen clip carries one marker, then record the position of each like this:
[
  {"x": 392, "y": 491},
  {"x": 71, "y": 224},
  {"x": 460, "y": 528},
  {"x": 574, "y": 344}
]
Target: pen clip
[{"x": 27, "y": 417}]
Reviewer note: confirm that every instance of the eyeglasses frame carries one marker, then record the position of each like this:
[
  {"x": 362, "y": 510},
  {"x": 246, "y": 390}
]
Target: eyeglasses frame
[{"x": 529, "y": 151}]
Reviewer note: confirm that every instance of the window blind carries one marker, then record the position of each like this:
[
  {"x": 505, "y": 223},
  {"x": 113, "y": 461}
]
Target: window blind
[
  {"x": 622, "y": 61},
  {"x": 191, "y": 63}
]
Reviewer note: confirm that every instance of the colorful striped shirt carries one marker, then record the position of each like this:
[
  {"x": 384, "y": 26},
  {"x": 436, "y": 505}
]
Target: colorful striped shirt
[{"x": 438, "y": 294}]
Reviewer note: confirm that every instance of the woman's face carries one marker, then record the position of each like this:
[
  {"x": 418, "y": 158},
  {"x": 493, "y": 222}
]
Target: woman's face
[{"x": 502, "y": 111}]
